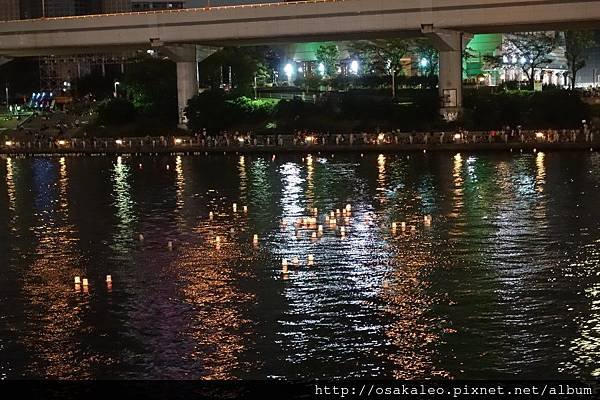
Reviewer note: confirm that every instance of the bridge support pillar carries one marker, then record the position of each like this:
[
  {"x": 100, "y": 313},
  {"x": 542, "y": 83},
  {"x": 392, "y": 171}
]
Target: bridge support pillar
[
  {"x": 187, "y": 76},
  {"x": 450, "y": 44}
]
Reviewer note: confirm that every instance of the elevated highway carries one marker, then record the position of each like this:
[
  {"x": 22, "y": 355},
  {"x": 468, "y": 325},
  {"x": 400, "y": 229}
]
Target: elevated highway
[{"x": 448, "y": 23}]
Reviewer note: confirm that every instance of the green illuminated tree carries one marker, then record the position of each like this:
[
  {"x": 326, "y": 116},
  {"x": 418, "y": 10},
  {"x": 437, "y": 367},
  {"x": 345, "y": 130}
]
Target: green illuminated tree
[
  {"x": 384, "y": 55},
  {"x": 577, "y": 42},
  {"x": 328, "y": 55}
]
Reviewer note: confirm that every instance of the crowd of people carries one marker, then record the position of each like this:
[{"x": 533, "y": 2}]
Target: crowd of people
[{"x": 507, "y": 134}]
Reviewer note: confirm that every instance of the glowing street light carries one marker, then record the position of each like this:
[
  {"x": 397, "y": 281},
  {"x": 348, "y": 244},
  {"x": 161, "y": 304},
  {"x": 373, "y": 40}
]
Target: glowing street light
[
  {"x": 289, "y": 71},
  {"x": 322, "y": 69},
  {"x": 424, "y": 63},
  {"x": 354, "y": 67}
]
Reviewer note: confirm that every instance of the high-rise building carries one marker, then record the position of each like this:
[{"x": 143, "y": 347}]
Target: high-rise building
[
  {"x": 10, "y": 10},
  {"x": 115, "y": 6},
  {"x": 149, "y": 5}
]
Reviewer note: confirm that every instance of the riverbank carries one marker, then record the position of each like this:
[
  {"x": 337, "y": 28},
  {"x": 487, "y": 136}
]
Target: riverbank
[{"x": 313, "y": 149}]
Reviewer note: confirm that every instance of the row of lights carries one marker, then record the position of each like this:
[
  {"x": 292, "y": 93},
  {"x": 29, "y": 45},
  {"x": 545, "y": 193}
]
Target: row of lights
[{"x": 289, "y": 69}]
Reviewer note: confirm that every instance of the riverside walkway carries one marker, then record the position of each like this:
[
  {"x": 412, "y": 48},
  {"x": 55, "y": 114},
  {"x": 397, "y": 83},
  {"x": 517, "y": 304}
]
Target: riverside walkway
[{"x": 382, "y": 143}]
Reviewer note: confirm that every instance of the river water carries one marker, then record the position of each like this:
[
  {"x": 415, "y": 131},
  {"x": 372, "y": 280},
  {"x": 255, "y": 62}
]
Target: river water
[{"x": 504, "y": 283}]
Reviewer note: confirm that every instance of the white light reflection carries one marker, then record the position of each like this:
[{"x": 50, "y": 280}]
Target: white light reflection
[{"x": 125, "y": 206}]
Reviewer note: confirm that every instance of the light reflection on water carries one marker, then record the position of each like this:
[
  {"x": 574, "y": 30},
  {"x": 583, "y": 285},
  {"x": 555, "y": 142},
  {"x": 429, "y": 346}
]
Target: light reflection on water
[{"x": 504, "y": 282}]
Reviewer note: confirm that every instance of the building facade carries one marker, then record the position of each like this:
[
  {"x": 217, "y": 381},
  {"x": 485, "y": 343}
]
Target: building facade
[
  {"x": 10, "y": 10},
  {"x": 149, "y": 5}
]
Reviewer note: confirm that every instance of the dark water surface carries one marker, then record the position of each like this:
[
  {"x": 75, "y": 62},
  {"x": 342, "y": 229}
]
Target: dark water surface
[{"x": 504, "y": 283}]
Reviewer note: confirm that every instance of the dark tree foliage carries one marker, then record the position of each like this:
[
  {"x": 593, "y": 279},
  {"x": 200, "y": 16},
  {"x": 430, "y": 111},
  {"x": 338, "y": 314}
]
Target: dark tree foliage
[
  {"x": 576, "y": 45},
  {"x": 116, "y": 112},
  {"x": 246, "y": 63},
  {"x": 22, "y": 75},
  {"x": 151, "y": 85},
  {"x": 550, "y": 108},
  {"x": 98, "y": 86}
]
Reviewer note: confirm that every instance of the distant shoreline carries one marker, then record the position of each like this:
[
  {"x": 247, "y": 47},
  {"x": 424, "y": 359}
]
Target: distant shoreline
[{"x": 312, "y": 149}]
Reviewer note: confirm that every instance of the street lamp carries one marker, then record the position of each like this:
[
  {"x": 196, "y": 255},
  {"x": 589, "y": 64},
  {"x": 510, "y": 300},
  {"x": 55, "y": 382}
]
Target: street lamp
[
  {"x": 354, "y": 67},
  {"x": 115, "y": 93},
  {"x": 289, "y": 71},
  {"x": 322, "y": 69}
]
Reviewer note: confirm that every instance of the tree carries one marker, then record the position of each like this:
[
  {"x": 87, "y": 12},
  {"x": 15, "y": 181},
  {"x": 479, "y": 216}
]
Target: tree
[
  {"x": 426, "y": 56},
  {"x": 151, "y": 85},
  {"x": 530, "y": 50},
  {"x": 246, "y": 63},
  {"x": 328, "y": 55},
  {"x": 95, "y": 84},
  {"x": 384, "y": 55},
  {"x": 115, "y": 112},
  {"x": 576, "y": 43}
]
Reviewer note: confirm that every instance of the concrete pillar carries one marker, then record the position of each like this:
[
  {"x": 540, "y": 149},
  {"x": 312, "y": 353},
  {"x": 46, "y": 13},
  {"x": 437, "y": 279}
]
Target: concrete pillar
[
  {"x": 450, "y": 44},
  {"x": 187, "y": 86},
  {"x": 187, "y": 76}
]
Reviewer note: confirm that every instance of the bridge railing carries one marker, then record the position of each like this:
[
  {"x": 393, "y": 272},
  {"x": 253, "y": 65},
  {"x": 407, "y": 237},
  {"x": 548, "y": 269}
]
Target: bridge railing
[{"x": 348, "y": 141}]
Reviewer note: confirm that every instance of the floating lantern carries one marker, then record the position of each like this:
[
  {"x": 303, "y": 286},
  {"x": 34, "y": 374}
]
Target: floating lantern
[
  {"x": 140, "y": 166},
  {"x": 284, "y": 266},
  {"x": 108, "y": 279},
  {"x": 77, "y": 280},
  {"x": 85, "y": 282},
  {"x": 234, "y": 207},
  {"x": 168, "y": 167}
]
